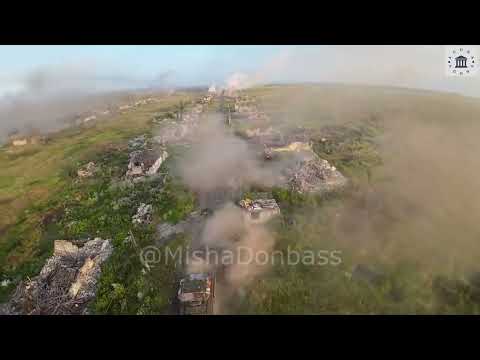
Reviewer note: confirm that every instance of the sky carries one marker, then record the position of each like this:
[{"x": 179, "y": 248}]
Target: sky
[
  {"x": 99, "y": 67},
  {"x": 188, "y": 65}
]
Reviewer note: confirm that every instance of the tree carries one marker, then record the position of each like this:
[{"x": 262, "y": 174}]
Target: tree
[{"x": 180, "y": 109}]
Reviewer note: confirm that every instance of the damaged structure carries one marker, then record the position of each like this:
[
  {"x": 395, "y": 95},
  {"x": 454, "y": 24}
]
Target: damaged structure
[
  {"x": 247, "y": 108},
  {"x": 302, "y": 169},
  {"x": 259, "y": 211},
  {"x": 316, "y": 175},
  {"x": 145, "y": 163},
  {"x": 19, "y": 140},
  {"x": 67, "y": 282}
]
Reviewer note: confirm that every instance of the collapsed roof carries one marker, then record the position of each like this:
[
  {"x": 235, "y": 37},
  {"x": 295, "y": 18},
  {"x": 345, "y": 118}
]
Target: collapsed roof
[
  {"x": 145, "y": 162},
  {"x": 67, "y": 282},
  {"x": 316, "y": 175}
]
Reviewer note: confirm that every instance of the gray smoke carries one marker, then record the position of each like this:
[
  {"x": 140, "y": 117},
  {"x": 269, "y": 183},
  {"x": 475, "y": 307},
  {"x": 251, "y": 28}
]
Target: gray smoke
[
  {"x": 218, "y": 160},
  {"x": 49, "y": 98}
]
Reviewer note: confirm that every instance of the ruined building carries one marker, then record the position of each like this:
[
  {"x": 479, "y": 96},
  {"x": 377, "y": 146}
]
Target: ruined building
[
  {"x": 67, "y": 282},
  {"x": 259, "y": 211},
  {"x": 145, "y": 163}
]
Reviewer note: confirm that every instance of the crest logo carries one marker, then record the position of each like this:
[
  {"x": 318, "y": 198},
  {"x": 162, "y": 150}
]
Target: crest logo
[{"x": 461, "y": 61}]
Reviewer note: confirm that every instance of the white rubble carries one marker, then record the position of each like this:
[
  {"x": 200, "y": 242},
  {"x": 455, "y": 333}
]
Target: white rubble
[
  {"x": 67, "y": 281},
  {"x": 143, "y": 215}
]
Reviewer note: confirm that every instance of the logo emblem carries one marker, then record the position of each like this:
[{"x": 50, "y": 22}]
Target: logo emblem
[{"x": 461, "y": 61}]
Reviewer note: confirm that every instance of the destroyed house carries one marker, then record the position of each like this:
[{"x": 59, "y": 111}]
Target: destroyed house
[
  {"x": 145, "y": 162},
  {"x": 259, "y": 211}
]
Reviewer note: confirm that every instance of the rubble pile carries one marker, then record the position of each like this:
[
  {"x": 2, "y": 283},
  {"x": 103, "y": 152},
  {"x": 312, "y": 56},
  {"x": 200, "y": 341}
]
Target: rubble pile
[
  {"x": 260, "y": 210},
  {"x": 87, "y": 171},
  {"x": 303, "y": 170},
  {"x": 145, "y": 163},
  {"x": 21, "y": 140},
  {"x": 143, "y": 215},
  {"x": 66, "y": 283},
  {"x": 247, "y": 107},
  {"x": 316, "y": 175}
]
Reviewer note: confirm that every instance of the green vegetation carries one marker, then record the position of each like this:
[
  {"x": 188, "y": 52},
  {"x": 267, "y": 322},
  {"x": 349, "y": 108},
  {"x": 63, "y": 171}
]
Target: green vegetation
[
  {"x": 351, "y": 143},
  {"x": 42, "y": 199}
]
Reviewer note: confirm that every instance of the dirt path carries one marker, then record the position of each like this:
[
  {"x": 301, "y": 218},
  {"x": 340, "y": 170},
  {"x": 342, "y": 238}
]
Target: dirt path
[{"x": 209, "y": 203}]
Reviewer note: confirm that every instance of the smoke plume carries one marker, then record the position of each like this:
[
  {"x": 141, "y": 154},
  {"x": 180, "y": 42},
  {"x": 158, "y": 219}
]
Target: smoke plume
[
  {"x": 51, "y": 97},
  {"x": 220, "y": 160}
]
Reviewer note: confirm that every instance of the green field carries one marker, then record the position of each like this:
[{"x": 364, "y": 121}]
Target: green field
[{"x": 36, "y": 181}]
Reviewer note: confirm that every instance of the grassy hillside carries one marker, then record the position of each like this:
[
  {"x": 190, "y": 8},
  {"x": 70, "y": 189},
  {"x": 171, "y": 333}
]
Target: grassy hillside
[{"x": 35, "y": 181}]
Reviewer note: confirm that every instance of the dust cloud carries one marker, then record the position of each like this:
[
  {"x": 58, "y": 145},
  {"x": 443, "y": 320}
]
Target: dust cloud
[
  {"x": 50, "y": 98},
  {"x": 220, "y": 160},
  {"x": 422, "y": 204},
  {"x": 233, "y": 244}
]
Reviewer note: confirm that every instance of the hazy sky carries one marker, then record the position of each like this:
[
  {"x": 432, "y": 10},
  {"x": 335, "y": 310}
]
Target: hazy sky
[{"x": 104, "y": 67}]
